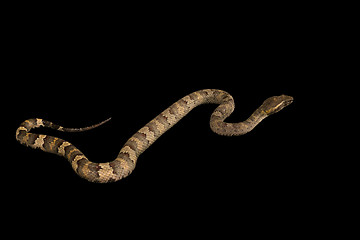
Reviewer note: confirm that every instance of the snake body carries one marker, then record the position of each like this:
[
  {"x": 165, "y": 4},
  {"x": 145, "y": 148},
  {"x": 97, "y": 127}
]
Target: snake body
[{"x": 126, "y": 160}]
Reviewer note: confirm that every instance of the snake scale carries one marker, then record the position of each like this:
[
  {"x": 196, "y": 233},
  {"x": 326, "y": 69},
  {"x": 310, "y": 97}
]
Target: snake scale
[{"x": 126, "y": 160}]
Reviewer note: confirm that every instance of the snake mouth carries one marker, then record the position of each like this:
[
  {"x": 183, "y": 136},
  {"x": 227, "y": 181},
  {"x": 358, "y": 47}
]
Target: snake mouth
[{"x": 287, "y": 100}]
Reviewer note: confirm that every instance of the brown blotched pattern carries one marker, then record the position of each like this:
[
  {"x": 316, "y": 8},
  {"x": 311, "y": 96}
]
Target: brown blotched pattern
[{"x": 126, "y": 160}]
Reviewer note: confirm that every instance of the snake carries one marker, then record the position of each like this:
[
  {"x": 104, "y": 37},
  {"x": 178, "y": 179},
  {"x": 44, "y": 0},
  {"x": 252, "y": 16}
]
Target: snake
[{"x": 127, "y": 158}]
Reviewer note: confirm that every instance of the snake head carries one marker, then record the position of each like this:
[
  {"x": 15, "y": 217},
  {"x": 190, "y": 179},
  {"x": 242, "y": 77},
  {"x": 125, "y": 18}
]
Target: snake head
[{"x": 275, "y": 104}]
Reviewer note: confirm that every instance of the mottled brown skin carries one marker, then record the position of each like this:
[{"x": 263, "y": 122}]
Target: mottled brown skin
[{"x": 126, "y": 160}]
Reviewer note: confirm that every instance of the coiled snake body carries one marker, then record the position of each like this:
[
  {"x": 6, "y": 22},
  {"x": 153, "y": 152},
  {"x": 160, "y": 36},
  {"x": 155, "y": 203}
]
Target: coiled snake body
[{"x": 126, "y": 160}]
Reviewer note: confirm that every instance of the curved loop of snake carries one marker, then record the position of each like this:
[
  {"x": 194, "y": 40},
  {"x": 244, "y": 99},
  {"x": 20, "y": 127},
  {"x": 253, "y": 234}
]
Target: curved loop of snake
[{"x": 126, "y": 160}]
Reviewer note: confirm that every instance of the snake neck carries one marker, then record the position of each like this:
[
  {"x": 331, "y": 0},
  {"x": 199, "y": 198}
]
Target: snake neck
[
  {"x": 219, "y": 126},
  {"x": 255, "y": 118}
]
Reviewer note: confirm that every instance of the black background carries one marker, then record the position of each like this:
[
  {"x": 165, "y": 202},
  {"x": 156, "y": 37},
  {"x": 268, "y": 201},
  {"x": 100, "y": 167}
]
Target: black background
[{"x": 77, "y": 73}]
